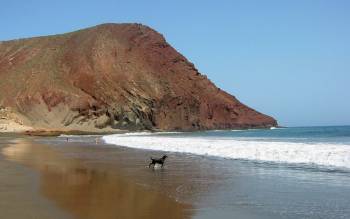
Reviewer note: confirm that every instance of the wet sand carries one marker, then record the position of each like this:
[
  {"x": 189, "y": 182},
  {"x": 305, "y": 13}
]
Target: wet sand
[
  {"x": 40, "y": 181},
  {"x": 48, "y": 177}
]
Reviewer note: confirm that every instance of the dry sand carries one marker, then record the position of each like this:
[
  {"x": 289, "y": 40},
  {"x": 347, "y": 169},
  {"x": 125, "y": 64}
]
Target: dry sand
[
  {"x": 38, "y": 181},
  {"x": 11, "y": 126}
]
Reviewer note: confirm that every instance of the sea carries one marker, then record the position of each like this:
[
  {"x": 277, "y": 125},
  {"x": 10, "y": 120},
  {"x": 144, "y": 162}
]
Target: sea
[{"x": 297, "y": 172}]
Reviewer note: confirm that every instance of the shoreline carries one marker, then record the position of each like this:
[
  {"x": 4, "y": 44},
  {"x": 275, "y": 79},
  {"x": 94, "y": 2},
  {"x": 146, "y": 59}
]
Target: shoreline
[{"x": 55, "y": 133}]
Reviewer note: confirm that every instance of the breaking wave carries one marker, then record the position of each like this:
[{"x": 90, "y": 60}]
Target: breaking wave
[{"x": 325, "y": 154}]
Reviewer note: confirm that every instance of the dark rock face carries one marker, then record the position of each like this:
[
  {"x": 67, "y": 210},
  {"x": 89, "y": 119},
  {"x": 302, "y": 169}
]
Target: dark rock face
[{"x": 123, "y": 76}]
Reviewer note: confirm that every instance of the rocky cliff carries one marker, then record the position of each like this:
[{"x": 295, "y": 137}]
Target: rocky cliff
[{"x": 114, "y": 76}]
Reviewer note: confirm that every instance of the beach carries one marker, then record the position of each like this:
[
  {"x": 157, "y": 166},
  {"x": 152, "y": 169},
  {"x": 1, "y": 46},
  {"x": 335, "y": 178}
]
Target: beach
[
  {"x": 86, "y": 177},
  {"x": 42, "y": 182}
]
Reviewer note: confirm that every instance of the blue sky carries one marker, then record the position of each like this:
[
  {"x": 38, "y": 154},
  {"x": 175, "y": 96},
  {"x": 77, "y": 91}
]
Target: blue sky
[{"x": 288, "y": 59}]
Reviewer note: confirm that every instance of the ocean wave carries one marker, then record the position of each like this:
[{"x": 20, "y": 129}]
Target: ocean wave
[{"x": 325, "y": 154}]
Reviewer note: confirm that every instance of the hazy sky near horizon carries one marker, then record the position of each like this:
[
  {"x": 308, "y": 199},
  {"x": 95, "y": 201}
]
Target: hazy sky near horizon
[{"x": 289, "y": 59}]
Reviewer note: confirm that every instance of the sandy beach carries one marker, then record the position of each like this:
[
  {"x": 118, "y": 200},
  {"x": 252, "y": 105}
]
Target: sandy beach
[
  {"x": 50, "y": 177},
  {"x": 46, "y": 183}
]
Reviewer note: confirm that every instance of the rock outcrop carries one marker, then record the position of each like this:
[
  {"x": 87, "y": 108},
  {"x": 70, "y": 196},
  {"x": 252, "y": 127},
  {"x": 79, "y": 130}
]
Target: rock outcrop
[{"x": 114, "y": 76}]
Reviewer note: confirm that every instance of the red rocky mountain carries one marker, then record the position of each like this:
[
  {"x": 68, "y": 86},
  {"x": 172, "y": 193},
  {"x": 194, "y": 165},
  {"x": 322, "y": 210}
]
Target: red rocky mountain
[{"x": 113, "y": 76}]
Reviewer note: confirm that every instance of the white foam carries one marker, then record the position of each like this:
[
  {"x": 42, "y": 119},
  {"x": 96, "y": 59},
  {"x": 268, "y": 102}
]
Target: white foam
[
  {"x": 77, "y": 136},
  {"x": 327, "y": 154}
]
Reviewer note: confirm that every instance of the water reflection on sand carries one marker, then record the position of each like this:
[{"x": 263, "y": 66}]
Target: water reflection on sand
[{"x": 88, "y": 192}]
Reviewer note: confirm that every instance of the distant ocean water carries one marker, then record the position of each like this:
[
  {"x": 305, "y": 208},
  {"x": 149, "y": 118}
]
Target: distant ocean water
[{"x": 318, "y": 146}]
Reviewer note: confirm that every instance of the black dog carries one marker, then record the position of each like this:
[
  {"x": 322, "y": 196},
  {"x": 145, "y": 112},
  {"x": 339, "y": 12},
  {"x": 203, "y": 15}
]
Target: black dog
[{"x": 155, "y": 161}]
